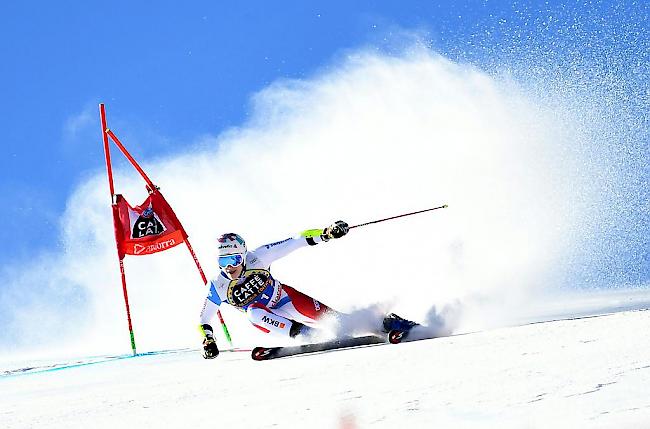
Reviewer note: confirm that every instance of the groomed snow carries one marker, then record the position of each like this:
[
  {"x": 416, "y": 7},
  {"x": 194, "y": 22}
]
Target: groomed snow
[{"x": 590, "y": 372}]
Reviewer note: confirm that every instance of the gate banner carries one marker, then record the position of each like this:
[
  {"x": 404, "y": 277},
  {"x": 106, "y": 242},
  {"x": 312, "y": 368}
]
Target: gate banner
[{"x": 148, "y": 228}]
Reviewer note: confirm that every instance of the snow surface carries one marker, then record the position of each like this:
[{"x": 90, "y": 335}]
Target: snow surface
[{"x": 591, "y": 372}]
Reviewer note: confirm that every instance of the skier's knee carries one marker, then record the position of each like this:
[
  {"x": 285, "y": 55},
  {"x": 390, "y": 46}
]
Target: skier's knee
[{"x": 267, "y": 321}]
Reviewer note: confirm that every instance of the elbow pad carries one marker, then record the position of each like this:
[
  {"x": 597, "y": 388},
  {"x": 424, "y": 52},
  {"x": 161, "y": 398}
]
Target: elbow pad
[{"x": 313, "y": 236}]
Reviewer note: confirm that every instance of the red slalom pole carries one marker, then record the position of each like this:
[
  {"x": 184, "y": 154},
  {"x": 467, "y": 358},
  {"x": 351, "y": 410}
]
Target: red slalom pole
[
  {"x": 107, "y": 151},
  {"x": 106, "y": 133},
  {"x": 128, "y": 310},
  {"x": 130, "y": 158},
  {"x": 398, "y": 216},
  {"x": 109, "y": 171}
]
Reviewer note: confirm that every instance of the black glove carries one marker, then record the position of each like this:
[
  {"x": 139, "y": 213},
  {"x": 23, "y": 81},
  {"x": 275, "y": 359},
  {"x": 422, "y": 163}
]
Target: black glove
[
  {"x": 210, "y": 349},
  {"x": 337, "y": 230}
]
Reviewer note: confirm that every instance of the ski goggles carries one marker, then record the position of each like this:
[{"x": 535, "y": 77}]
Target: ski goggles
[{"x": 232, "y": 260}]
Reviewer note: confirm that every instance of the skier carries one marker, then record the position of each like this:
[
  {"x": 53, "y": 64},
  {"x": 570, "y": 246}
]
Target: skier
[{"x": 246, "y": 283}]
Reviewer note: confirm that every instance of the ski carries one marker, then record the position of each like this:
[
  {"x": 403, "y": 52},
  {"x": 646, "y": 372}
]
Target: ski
[{"x": 267, "y": 353}]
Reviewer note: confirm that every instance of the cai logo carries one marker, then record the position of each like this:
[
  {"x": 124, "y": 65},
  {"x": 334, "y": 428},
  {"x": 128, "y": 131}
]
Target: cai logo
[{"x": 147, "y": 224}]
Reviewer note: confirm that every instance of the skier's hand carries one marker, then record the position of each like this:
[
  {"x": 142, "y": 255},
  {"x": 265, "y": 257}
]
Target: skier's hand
[
  {"x": 210, "y": 349},
  {"x": 337, "y": 230}
]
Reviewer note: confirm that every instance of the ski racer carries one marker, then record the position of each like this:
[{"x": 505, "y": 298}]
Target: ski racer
[{"x": 245, "y": 282}]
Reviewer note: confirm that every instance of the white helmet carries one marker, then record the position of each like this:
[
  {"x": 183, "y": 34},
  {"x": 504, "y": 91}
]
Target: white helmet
[
  {"x": 231, "y": 243},
  {"x": 232, "y": 250}
]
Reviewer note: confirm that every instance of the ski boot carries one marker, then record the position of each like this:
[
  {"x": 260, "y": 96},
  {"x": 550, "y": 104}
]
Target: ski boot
[
  {"x": 301, "y": 331},
  {"x": 397, "y": 327}
]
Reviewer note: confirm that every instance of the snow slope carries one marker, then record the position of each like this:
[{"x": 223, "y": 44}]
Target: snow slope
[{"x": 585, "y": 372}]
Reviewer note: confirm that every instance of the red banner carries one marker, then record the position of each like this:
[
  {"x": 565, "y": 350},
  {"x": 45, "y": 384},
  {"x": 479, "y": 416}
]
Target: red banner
[{"x": 148, "y": 228}]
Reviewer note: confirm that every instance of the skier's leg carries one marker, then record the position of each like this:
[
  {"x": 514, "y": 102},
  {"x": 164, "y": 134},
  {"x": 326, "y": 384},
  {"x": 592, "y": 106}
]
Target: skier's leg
[
  {"x": 296, "y": 305},
  {"x": 267, "y": 321}
]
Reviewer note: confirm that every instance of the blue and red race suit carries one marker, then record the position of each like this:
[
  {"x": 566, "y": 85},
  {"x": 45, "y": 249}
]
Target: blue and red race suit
[{"x": 270, "y": 305}]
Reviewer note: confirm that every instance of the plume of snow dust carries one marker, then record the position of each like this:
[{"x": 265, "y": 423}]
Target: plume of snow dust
[
  {"x": 369, "y": 320},
  {"x": 371, "y": 137}
]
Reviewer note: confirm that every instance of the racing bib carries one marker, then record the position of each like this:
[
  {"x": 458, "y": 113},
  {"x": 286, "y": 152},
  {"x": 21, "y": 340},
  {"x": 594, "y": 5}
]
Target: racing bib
[{"x": 248, "y": 287}]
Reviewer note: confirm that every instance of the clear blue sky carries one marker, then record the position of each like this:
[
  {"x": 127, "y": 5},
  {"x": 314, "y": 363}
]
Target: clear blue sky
[{"x": 171, "y": 71}]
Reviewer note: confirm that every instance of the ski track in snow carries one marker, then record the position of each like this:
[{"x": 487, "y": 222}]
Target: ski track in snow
[{"x": 582, "y": 372}]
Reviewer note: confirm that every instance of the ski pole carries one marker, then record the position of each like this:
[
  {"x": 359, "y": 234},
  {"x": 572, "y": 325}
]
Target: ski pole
[{"x": 398, "y": 216}]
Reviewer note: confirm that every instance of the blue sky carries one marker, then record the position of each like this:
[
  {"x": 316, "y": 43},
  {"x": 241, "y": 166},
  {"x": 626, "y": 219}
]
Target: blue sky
[
  {"x": 168, "y": 73},
  {"x": 171, "y": 72}
]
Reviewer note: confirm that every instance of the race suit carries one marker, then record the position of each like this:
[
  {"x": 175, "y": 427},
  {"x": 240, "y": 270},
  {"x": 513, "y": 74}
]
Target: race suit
[{"x": 270, "y": 305}]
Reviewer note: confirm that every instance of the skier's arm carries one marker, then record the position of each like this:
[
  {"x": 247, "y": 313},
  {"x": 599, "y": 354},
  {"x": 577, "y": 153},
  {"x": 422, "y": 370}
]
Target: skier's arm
[
  {"x": 271, "y": 252},
  {"x": 336, "y": 230},
  {"x": 210, "y": 307}
]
